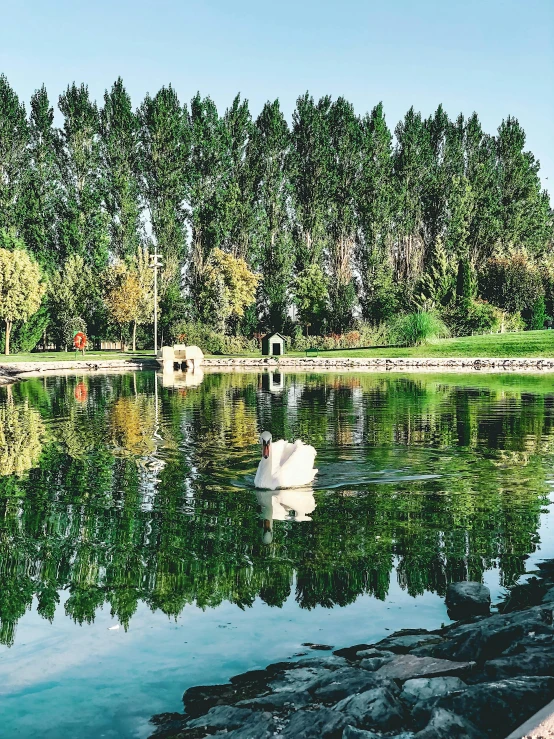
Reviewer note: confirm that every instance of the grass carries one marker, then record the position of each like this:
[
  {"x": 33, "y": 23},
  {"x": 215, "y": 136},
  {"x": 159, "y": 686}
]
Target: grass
[
  {"x": 72, "y": 357},
  {"x": 519, "y": 344}
]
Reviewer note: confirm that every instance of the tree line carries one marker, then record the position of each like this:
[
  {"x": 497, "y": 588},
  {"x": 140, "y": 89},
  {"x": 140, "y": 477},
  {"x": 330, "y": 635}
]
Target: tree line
[{"x": 312, "y": 225}]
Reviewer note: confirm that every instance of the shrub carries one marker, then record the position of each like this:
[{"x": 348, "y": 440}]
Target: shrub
[
  {"x": 538, "y": 314},
  {"x": 211, "y": 342},
  {"x": 418, "y": 328},
  {"x": 474, "y": 317},
  {"x": 512, "y": 322}
]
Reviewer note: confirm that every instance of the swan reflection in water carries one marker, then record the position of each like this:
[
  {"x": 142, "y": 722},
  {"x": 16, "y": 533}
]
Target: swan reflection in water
[{"x": 287, "y": 504}]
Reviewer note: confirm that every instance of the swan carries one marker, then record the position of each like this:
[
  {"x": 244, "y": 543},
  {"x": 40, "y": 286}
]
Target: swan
[{"x": 284, "y": 465}]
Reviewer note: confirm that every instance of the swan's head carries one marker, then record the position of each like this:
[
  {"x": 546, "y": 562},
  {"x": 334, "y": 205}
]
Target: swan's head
[{"x": 265, "y": 438}]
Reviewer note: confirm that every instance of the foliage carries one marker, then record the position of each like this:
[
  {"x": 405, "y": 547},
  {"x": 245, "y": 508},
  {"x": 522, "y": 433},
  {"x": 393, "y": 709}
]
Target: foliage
[
  {"x": 210, "y": 341},
  {"x": 310, "y": 296},
  {"x": 22, "y": 433},
  {"x": 21, "y": 287},
  {"x": 228, "y": 288},
  {"x": 513, "y": 283},
  {"x": 414, "y": 329},
  {"x": 538, "y": 314},
  {"x": 474, "y": 317},
  {"x": 69, "y": 327}
]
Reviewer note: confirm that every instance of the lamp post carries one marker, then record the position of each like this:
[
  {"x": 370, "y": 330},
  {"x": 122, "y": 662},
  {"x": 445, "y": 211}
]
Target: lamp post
[{"x": 155, "y": 263}]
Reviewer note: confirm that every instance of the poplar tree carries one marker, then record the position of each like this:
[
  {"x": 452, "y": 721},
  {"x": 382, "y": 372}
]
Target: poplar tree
[
  {"x": 14, "y": 136},
  {"x": 83, "y": 221},
  {"x": 268, "y": 158},
  {"x": 119, "y": 131}
]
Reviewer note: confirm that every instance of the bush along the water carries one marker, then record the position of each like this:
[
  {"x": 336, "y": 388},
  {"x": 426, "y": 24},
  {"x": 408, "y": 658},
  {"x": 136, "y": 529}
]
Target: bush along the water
[{"x": 418, "y": 328}]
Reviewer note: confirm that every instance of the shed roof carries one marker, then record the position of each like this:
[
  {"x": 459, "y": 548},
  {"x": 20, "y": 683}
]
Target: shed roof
[{"x": 275, "y": 333}]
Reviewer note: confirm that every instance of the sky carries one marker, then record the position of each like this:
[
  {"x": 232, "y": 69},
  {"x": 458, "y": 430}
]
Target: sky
[{"x": 495, "y": 57}]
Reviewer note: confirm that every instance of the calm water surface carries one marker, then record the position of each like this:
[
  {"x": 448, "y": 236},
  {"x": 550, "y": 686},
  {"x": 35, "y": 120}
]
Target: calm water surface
[{"x": 128, "y": 501}]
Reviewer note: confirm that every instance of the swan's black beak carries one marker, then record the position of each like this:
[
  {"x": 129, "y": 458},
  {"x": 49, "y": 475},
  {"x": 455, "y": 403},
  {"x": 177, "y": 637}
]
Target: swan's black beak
[{"x": 265, "y": 449}]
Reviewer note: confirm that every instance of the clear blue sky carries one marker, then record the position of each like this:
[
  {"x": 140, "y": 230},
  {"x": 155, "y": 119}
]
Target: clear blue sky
[{"x": 492, "y": 56}]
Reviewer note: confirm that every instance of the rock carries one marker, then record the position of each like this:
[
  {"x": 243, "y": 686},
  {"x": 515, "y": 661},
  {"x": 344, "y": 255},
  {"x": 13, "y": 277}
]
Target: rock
[
  {"x": 406, "y": 642},
  {"x": 467, "y": 599},
  {"x": 406, "y": 666},
  {"x": 316, "y": 724},
  {"x": 537, "y": 660},
  {"x": 223, "y": 717},
  {"x": 350, "y": 653},
  {"x": 373, "y": 663},
  {"x": 549, "y": 596},
  {"x": 346, "y": 682},
  {"x": 303, "y": 678},
  {"x": 499, "y": 707},
  {"x": 447, "y": 725},
  {"x": 199, "y": 699},
  {"x": 351, "y": 733},
  {"x": 277, "y": 701},
  {"x": 421, "y": 689},
  {"x": 373, "y": 652},
  {"x": 320, "y": 647},
  {"x": 375, "y": 709},
  {"x": 258, "y": 726}
]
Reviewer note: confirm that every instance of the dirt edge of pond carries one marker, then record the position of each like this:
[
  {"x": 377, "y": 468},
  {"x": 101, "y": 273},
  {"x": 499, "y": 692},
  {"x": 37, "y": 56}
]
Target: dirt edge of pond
[
  {"x": 484, "y": 676},
  {"x": 11, "y": 372}
]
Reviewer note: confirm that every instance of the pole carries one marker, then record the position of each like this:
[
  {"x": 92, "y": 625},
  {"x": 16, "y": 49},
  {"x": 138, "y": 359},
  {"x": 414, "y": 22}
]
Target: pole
[{"x": 156, "y": 300}]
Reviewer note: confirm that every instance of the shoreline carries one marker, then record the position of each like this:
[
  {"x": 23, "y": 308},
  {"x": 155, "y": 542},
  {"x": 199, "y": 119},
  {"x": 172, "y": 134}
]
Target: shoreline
[
  {"x": 11, "y": 372},
  {"x": 488, "y": 675}
]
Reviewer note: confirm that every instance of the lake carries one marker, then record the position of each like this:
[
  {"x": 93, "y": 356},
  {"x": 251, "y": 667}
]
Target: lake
[{"x": 137, "y": 559}]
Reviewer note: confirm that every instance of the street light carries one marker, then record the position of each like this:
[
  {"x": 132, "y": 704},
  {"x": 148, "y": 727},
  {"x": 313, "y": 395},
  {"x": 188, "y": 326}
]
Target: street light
[{"x": 155, "y": 263}]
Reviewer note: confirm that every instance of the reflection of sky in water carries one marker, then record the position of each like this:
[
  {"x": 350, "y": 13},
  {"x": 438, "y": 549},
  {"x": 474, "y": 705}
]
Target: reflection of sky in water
[{"x": 398, "y": 460}]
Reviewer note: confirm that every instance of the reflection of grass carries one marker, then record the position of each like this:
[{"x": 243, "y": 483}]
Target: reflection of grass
[
  {"x": 73, "y": 356},
  {"x": 521, "y": 344}
]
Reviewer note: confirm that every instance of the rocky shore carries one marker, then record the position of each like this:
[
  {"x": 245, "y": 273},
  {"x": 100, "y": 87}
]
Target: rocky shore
[
  {"x": 398, "y": 364},
  {"x": 482, "y": 676}
]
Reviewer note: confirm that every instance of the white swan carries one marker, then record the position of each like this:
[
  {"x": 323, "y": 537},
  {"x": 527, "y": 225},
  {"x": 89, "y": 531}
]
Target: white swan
[
  {"x": 292, "y": 504},
  {"x": 284, "y": 465}
]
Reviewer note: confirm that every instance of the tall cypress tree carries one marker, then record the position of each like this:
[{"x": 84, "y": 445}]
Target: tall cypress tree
[{"x": 119, "y": 132}]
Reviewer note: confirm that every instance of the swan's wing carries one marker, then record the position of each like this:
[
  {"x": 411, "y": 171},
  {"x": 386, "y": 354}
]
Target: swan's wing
[
  {"x": 298, "y": 468},
  {"x": 280, "y": 452}
]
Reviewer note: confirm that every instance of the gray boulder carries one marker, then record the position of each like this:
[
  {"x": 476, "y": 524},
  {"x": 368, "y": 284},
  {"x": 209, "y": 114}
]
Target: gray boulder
[
  {"x": 378, "y": 709},
  {"x": 286, "y": 699},
  {"x": 344, "y": 683},
  {"x": 317, "y": 724},
  {"x": 407, "y": 666},
  {"x": 258, "y": 726},
  {"x": 403, "y": 643},
  {"x": 468, "y": 599},
  {"x": 422, "y": 689},
  {"x": 222, "y": 717},
  {"x": 549, "y": 596},
  {"x": 447, "y": 725},
  {"x": 499, "y": 707}
]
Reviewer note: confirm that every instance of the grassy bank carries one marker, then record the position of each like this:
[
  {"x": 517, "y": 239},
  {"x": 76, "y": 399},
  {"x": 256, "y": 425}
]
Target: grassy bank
[
  {"x": 521, "y": 344},
  {"x": 72, "y": 356}
]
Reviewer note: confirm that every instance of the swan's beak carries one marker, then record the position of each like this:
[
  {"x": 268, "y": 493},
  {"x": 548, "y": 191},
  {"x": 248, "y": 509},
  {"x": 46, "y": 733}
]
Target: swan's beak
[{"x": 265, "y": 449}]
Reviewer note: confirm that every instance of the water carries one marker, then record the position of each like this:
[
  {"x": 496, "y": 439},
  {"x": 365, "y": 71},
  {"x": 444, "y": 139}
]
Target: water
[{"x": 128, "y": 503}]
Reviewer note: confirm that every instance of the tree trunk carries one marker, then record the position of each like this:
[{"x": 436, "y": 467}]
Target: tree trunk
[
  {"x": 134, "y": 335},
  {"x": 8, "y": 332}
]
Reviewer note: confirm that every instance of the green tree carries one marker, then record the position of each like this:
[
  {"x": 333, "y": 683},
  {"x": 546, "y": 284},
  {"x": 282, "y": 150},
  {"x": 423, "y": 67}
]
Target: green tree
[
  {"x": 73, "y": 295},
  {"x": 83, "y": 228},
  {"x": 21, "y": 287},
  {"x": 14, "y": 136},
  {"x": 268, "y": 160},
  {"x": 40, "y": 198},
  {"x": 309, "y": 163},
  {"x": 344, "y": 173},
  {"x": 311, "y": 294},
  {"x": 375, "y": 206},
  {"x": 119, "y": 132}
]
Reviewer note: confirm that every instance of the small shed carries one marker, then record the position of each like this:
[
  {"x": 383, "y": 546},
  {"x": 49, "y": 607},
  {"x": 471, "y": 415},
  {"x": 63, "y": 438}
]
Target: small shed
[{"x": 273, "y": 345}]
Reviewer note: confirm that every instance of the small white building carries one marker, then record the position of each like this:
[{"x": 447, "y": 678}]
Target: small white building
[{"x": 273, "y": 345}]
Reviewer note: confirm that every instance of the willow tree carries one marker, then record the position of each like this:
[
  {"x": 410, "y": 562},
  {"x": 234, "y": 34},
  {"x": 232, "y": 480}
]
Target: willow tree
[{"x": 21, "y": 287}]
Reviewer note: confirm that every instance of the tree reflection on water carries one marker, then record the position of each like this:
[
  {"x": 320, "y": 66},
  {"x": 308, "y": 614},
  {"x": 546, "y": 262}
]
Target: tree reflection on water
[{"x": 140, "y": 492}]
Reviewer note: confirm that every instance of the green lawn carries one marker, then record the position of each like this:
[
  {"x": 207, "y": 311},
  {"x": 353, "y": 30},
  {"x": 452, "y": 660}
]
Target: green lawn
[
  {"x": 521, "y": 344},
  {"x": 72, "y": 356}
]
